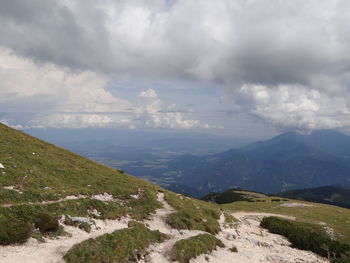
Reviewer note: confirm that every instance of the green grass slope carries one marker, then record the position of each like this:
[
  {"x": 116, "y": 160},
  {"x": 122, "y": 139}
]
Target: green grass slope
[
  {"x": 42, "y": 171},
  {"x": 36, "y": 172}
]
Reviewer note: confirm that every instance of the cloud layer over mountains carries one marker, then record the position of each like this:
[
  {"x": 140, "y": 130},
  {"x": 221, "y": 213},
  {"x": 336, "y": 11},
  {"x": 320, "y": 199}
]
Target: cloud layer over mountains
[{"x": 288, "y": 63}]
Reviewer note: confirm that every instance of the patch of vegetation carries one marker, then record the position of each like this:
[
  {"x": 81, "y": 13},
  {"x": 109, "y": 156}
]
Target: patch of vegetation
[
  {"x": 186, "y": 249},
  {"x": 231, "y": 195},
  {"x": 192, "y": 214},
  {"x": 13, "y": 231},
  {"x": 306, "y": 236},
  {"x": 276, "y": 200},
  {"x": 46, "y": 223},
  {"x": 234, "y": 249},
  {"x": 85, "y": 226},
  {"x": 81, "y": 225},
  {"x": 120, "y": 246}
]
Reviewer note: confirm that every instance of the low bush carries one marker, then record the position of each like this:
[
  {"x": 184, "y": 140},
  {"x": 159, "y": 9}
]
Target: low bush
[
  {"x": 187, "y": 249},
  {"x": 46, "y": 223},
  {"x": 85, "y": 226},
  {"x": 306, "y": 236},
  {"x": 13, "y": 231},
  {"x": 234, "y": 249}
]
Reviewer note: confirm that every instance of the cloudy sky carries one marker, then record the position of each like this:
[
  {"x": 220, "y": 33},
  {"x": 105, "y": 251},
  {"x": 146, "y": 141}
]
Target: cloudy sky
[{"x": 242, "y": 67}]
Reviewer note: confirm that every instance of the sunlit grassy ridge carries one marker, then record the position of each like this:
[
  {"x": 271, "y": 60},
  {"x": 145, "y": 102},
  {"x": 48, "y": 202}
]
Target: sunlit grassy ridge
[{"x": 45, "y": 172}]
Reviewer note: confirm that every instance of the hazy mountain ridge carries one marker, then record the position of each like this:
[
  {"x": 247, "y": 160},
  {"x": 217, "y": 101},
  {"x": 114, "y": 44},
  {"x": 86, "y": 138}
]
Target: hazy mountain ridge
[{"x": 287, "y": 161}]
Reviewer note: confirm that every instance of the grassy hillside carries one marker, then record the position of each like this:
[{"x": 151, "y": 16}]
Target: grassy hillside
[
  {"x": 36, "y": 172},
  {"x": 39, "y": 180},
  {"x": 42, "y": 171}
]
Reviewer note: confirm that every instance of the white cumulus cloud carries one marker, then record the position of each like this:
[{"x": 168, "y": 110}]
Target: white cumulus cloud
[
  {"x": 295, "y": 107},
  {"x": 45, "y": 95}
]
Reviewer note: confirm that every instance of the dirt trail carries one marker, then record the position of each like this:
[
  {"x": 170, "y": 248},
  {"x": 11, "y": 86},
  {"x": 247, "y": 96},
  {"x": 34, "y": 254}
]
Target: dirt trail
[
  {"x": 52, "y": 251},
  {"x": 254, "y": 244},
  {"x": 158, "y": 253},
  {"x": 71, "y": 197}
]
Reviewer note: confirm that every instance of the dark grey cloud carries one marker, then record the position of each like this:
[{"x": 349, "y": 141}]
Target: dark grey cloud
[
  {"x": 49, "y": 31},
  {"x": 270, "y": 43},
  {"x": 262, "y": 52}
]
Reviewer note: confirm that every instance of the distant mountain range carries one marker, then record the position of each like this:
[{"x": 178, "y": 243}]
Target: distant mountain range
[
  {"x": 197, "y": 164},
  {"x": 286, "y": 162}
]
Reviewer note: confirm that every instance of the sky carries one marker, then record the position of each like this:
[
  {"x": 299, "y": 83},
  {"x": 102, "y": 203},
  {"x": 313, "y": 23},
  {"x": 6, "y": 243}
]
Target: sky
[{"x": 243, "y": 67}]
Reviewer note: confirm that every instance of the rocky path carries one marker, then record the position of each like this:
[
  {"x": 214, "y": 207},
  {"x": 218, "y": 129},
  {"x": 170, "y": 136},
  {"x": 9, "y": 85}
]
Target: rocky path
[
  {"x": 254, "y": 244},
  {"x": 53, "y": 250},
  {"x": 159, "y": 253}
]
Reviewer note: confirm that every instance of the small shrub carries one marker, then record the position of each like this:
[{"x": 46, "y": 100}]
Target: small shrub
[
  {"x": 234, "y": 249},
  {"x": 69, "y": 221},
  {"x": 85, "y": 226},
  {"x": 276, "y": 200},
  {"x": 46, "y": 223},
  {"x": 13, "y": 231}
]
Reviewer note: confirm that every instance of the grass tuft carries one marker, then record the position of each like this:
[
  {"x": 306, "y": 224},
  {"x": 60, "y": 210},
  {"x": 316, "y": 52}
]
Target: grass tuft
[
  {"x": 120, "y": 246},
  {"x": 187, "y": 249}
]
